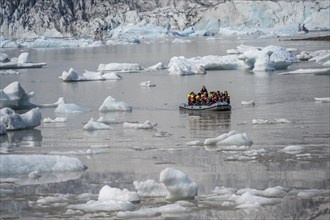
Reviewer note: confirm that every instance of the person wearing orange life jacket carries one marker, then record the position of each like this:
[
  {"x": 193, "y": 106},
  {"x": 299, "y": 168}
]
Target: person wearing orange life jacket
[
  {"x": 198, "y": 99},
  {"x": 191, "y": 98}
]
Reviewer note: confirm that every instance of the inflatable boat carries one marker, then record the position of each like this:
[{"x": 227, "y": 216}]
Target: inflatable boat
[{"x": 218, "y": 106}]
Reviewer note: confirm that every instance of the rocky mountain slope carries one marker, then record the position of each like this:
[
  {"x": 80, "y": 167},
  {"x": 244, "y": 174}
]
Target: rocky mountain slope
[{"x": 96, "y": 18}]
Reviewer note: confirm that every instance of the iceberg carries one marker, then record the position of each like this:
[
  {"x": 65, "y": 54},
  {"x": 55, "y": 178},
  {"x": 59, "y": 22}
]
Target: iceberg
[
  {"x": 146, "y": 125},
  {"x": 178, "y": 184},
  {"x": 15, "y": 164},
  {"x": 10, "y": 120},
  {"x": 150, "y": 188},
  {"x": 56, "y": 120},
  {"x": 92, "y": 125},
  {"x": 230, "y": 139},
  {"x": 20, "y": 63},
  {"x": 157, "y": 66},
  {"x": 323, "y": 99},
  {"x": 72, "y": 76},
  {"x": 147, "y": 84},
  {"x": 15, "y": 97},
  {"x": 212, "y": 62},
  {"x": 110, "y": 199},
  {"x": 111, "y": 104},
  {"x": 182, "y": 66},
  {"x": 123, "y": 67},
  {"x": 67, "y": 108}
]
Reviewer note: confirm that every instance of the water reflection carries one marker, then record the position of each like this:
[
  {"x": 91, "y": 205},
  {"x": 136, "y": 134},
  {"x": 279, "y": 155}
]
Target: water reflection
[{"x": 20, "y": 138}]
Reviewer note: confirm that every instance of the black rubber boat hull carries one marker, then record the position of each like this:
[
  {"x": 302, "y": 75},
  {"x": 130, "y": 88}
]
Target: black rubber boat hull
[{"x": 214, "y": 107}]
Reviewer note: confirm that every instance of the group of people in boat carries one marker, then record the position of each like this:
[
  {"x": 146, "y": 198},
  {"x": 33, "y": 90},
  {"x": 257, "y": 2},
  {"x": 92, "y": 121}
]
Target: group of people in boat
[{"x": 208, "y": 98}]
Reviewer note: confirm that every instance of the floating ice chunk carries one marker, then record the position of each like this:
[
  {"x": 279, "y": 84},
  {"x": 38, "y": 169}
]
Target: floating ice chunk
[
  {"x": 56, "y": 120},
  {"x": 249, "y": 199},
  {"x": 23, "y": 58},
  {"x": 157, "y": 66},
  {"x": 108, "y": 193},
  {"x": 14, "y": 96},
  {"x": 304, "y": 56},
  {"x": 9, "y": 72},
  {"x": 293, "y": 149},
  {"x": 146, "y": 125},
  {"x": 260, "y": 121},
  {"x": 3, "y": 57},
  {"x": 211, "y": 62},
  {"x": 223, "y": 190},
  {"x": 92, "y": 125},
  {"x": 109, "y": 205},
  {"x": 266, "y": 121},
  {"x": 193, "y": 143},
  {"x": 147, "y": 84},
  {"x": 124, "y": 67},
  {"x": 178, "y": 184},
  {"x": 11, "y": 164},
  {"x": 150, "y": 188},
  {"x": 323, "y": 99},
  {"x": 182, "y": 66},
  {"x": 248, "y": 103},
  {"x": 73, "y": 76},
  {"x": 13, "y": 121},
  {"x": 153, "y": 212},
  {"x": 310, "y": 193},
  {"x": 111, "y": 104},
  {"x": 230, "y": 139},
  {"x": 106, "y": 120},
  {"x": 162, "y": 134},
  {"x": 67, "y": 108},
  {"x": 320, "y": 71}
]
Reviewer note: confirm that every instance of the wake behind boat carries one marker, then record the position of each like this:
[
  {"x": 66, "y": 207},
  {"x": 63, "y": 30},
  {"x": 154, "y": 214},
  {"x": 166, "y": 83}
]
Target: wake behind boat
[{"x": 218, "y": 106}]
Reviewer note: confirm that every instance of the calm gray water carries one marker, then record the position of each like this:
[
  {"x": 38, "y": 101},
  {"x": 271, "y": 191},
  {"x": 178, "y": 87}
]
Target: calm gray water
[{"x": 138, "y": 155}]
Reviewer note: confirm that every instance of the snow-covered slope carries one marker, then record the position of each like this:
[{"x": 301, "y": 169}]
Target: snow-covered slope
[{"x": 99, "y": 18}]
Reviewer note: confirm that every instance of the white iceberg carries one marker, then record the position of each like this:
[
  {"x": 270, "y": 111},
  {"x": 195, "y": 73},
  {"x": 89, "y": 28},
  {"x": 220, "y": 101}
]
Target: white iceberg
[
  {"x": 13, "y": 121},
  {"x": 230, "y": 139},
  {"x": 123, "y": 67},
  {"x": 72, "y": 75},
  {"x": 146, "y": 125},
  {"x": 212, "y": 62},
  {"x": 67, "y": 108},
  {"x": 12, "y": 164},
  {"x": 92, "y": 125},
  {"x": 111, "y": 104},
  {"x": 292, "y": 149},
  {"x": 268, "y": 58},
  {"x": 182, "y": 66},
  {"x": 15, "y": 97},
  {"x": 56, "y": 120},
  {"x": 178, "y": 184},
  {"x": 110, "y": 199},
  {"x": 248, "y": 103},
  {"x": 21, "y": 62},
  {"x": 157, "y": 66},
  {"x": 44, "y": 42}
]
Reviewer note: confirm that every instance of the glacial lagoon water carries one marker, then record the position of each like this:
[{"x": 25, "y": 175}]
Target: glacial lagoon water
[{"x": 122, "y": 156}]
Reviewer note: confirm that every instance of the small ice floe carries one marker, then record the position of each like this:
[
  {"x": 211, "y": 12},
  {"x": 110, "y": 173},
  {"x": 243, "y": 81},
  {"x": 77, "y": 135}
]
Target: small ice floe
[
  {"x": 10, "y": 120},
  {"x": 157, "y": 66},
  {"x": 230, "y": 139},
  {"x": 106, "y": 120},
  {"x": 194, "y": 143},
  {"x": 92, "y": 125},
  {"x": 248, "y": 103},
  {"x": 261, "y": 121},
  {"x": 34, "y": 175},
  {"x": 68, "y": 108},
  {"x": 11, "y": 164},
  {"x": 292, "y": 149},
  {"x": 56, "y": 120},
  {"x": 162, "y": 134},
  {"x": 111, "y": 104},
  {"x": 251, "y": 199},
  {"x": 146, "y": 125},
  {"x": 182, "y": 66},
  {"x": 110, "y": 199},
  {"x": 178, "y": 184},
  {"x": 154, "y": 212},
  {"x": 320, "y": 71},
  {"x": 213, "y": 62},
  {"x": 147, "y": 84},
  {"x": 306, "y": 156},
  {"x": 72, "y": 76},
  {"x": 150, "y": 188},
  {"x": 323, "y": 99},
  {"x": 9, "y": 72},
  {"x": 310, "y": 193},
  {"x": 122, "y": 67}
]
